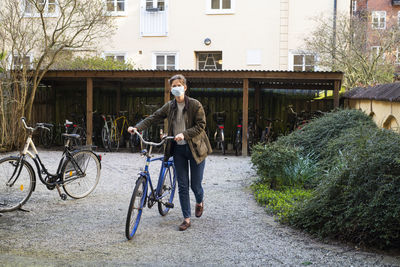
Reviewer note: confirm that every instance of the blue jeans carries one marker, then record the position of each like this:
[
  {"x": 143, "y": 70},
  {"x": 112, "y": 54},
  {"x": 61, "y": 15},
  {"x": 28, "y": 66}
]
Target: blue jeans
[{"x": 182, "y": 159}]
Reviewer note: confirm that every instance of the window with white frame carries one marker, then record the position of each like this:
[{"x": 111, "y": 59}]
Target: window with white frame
[
  {"x": 20, "y": 61},
  {"x": 220, "y": 6},
  {"x": 398, "y": 19},
  {"x": 302, "y": 62},
  {"x": 209, "y": 60},
  {"x": 116, "y": 56},
  {"x": 49, "y": 8},
  {"x": 116, "y": 7},
  {"x": 165, "y": 61},
  {"x": 375, "y": 50},
  {"x": 155, "y": 5},
  {"x": 378, "y": 19},
  {"x": 154, "y": 17}
]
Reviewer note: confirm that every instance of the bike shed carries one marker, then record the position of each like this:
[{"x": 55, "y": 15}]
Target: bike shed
[{"x": 115, "y": 80}]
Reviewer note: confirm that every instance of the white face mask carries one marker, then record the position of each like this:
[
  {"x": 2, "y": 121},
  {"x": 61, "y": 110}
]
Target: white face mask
[{"x": 178, "y": 90}]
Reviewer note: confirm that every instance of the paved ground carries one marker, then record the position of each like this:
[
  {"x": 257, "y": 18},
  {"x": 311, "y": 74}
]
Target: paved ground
[{"x": 234, "y": 230}]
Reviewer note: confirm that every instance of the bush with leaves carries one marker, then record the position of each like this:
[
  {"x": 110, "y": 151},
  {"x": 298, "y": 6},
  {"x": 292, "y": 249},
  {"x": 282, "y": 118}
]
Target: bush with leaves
[
  {"x": 314, "y": 136},
  {"x": 359, "y": 199}
]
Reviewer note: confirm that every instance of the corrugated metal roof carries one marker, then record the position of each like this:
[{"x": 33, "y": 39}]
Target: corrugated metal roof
[
  {"x": 192, "y": 70},
  {"x": 382, "y": 92}
]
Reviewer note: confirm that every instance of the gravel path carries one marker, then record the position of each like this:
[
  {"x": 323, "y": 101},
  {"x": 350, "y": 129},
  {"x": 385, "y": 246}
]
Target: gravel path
[{"x": 233, "y": 230}]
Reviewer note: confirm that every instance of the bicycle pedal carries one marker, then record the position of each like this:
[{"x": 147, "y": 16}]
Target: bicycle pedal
[{"x": 169, "y": 205}]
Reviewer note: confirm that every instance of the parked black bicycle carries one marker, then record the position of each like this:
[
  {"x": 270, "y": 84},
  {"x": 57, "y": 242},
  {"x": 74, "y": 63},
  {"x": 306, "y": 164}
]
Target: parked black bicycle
[{"x": 78, "y": 172}]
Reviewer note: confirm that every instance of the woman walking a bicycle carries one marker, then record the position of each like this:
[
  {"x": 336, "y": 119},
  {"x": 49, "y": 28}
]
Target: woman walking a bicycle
[{"x": 190, "y": 147}]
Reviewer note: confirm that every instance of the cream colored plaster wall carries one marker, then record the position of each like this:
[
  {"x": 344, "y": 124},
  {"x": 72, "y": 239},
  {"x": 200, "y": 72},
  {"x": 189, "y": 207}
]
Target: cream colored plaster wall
[
  {"x": 302, "y": 14},
  {"x": 382, "y": 110},
  {"x": 255, "y": 25}
]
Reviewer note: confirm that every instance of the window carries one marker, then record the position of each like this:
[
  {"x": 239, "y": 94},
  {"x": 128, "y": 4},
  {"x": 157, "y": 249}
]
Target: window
[
  {"x": 209, "y": 60},
  {"x": 116, "y": 7},
  {"x": 220, "y": 6},
  {"x": 154, "y": 17},
  {"x": 378, "y": 19},
  {"x": 117, "y": 56},
  {"x": 155, "y": 5},
  {"x": 398, "y": 19},
  {"x": 165, "y": 61},
  {"x": 354, "y": 6},
  {"x": 302, "y": 62},
  {"x": 48, "y": 7},
  {"x": 375, "y": 50},
  {"x": 19, "y": 62}
]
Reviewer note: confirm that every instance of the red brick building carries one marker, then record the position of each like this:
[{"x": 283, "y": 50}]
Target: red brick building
[{"x": 382, "y": 15}]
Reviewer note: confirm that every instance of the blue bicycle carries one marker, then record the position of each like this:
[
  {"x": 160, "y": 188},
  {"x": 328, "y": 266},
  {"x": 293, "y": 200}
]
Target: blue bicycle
[{"x": 144, "y": 192}]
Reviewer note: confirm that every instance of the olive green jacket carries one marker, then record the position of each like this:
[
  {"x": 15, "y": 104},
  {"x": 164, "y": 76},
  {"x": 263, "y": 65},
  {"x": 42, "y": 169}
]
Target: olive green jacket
[{"x": 195, "y": 122}]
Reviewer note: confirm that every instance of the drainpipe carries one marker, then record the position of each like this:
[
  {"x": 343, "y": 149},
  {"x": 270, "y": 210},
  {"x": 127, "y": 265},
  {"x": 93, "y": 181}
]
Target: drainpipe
[{"x": 334, "y": 31}]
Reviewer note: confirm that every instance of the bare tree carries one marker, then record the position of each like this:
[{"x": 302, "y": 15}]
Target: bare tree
[
  {"x": 365, "y": 54},
  {"x": 33, "y": 34}
]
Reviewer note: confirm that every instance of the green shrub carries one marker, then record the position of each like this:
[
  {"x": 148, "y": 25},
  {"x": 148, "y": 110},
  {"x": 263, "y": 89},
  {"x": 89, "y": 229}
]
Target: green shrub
[
  {"x": 359, "y": 201},
  {"x": 279, "y": 203},
  {"x": 313, "y": 137},
  {"x": 270, "y": 161}
]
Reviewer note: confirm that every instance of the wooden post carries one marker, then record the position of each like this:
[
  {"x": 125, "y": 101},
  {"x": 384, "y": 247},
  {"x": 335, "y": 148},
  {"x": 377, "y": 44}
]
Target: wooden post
[
  {"x": 336, "y": 90},
  {"x": 118, "y": 102},
  {"x": 167, "y": 98},
  {"x": 245, "y": 113},
  {"x": 257, "y": 105},
  {"x": 89, "y": 110}
]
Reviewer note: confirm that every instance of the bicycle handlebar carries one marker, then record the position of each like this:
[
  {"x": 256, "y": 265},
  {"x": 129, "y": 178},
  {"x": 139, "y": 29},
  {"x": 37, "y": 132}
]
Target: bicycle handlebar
[
  {"x": 152, "y": 143},
  {"x": 38, "y": 125}
]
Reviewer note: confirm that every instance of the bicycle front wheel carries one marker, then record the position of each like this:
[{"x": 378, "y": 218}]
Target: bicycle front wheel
[
  {"x": 81, "y": 174},
  {"x": 135, "y": 208},
  {"x": 166, "y": 191},
  {"x": 17, "y": 182}
]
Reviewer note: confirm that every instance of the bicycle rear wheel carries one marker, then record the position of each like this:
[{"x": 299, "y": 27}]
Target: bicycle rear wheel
[
  {"x": 114, "y": 140},
  {"x": 13, "y": 196},
  {"x": 46, "y": 137},
  {"x": 81, "y": 174},
  {"x": 135, "y": 208},
  {"x": 105, "y": 137},
  {"x": 166, "y": 191}
]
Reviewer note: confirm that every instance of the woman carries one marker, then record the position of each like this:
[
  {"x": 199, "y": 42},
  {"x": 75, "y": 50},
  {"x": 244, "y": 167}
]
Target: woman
[{"x": 190, "y": 147}]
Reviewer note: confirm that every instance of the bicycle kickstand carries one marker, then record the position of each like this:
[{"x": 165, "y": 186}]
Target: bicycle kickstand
[{"x": 62, "y": 195}]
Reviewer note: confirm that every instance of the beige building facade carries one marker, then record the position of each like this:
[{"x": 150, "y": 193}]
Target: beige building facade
[
  {"x": 381, "y": 102},
  {"x": 216, "y": 34}
]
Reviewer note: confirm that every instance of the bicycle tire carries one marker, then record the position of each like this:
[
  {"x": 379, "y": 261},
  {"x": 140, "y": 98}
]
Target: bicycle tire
[
  {"x": 78, "y": 185},
  {"x": 114, "y": 141},
  {"x": 167, "y": 190},
  {"x": 46, "y": 137},
  {"x": 77, "y": 142},
  {"x": 12, "y": 198},
  {"x": 105, "y": 138},
  {"x": 136, "y": 207},
  {"x": 238, "y": 143}
]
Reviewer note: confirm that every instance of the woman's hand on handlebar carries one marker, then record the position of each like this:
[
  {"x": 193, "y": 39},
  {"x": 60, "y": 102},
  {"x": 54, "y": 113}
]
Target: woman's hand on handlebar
[
  {"x": 179, "y": 137},
  {"x": 132, "y": 130}
]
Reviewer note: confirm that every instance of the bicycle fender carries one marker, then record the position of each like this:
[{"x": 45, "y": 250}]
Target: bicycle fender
[{"x": 23, "y": 161}]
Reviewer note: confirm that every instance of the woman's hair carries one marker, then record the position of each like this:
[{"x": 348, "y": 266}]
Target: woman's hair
[{"x": 177, "y": 77}]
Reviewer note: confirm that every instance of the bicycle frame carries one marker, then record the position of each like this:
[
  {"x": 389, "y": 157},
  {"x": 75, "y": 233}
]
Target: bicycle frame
[
  {"x": 165, "y": 165},
  {"x": 41, "y": 169}
]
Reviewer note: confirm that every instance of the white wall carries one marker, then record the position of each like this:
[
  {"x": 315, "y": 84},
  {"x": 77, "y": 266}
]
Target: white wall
[{"x": 255, "y": 25}]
